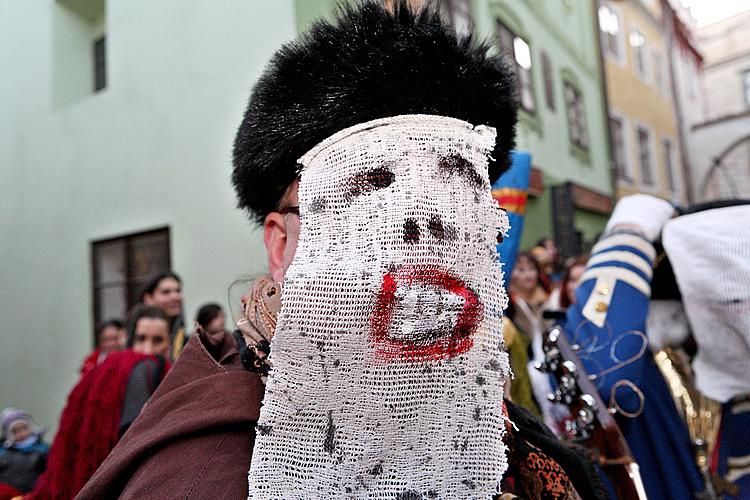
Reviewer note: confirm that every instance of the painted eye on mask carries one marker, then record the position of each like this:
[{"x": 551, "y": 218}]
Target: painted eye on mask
[
  {"x": 455, "y": 164},
  {"x": 370, "y": 180}
]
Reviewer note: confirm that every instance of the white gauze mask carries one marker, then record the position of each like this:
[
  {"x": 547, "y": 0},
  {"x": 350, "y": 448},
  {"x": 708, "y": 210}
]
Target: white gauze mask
[{"x": 388, "y": 359}]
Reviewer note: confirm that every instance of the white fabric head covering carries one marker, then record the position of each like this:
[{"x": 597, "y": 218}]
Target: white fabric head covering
[
  {"x": 388, "y": 361},
  {"x": 710, "y": 256}
]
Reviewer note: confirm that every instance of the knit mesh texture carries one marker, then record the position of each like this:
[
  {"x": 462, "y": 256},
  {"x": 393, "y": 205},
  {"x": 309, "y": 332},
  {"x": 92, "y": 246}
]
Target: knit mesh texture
[
  {"x": 388, "y": 358},
  {"x": 710, "y": 256}
]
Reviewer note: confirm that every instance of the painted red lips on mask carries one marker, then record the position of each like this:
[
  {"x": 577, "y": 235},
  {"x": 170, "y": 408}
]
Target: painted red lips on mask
[{"x": 423, "y": 314}]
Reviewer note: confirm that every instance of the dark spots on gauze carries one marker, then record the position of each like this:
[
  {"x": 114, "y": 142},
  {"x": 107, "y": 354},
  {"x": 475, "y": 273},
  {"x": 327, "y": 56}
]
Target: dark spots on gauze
[
  {"x": 493, "y": 364},
  {"x": 263, "y": 429},
  {"x": 329, "y": 444},
  {"x": 439, "y": 230},
  {"x": 411, "y": 231},
  {"x": 455, "y": 164},
  {"x": 318, "y": 205},
  {"x": 376, "y": 470},
  {"x": 409, "y": 495},
  {"x": 481, "y": 380},
  {"x": 477, "y": 413}
]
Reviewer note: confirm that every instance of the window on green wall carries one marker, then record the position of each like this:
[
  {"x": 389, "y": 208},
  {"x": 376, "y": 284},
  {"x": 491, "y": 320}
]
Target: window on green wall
[
  {"x": 577, "y": 126},
  {"x": 122, "y": 266},
  {"x": 100, "y": 63},
  {"x": 549, "y": 83},
  {"x": 518, "y": 51}
]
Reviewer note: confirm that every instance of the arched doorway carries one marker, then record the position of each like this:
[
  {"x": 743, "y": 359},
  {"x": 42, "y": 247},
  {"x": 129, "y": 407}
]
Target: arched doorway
[{"x": 729, "y": 175}]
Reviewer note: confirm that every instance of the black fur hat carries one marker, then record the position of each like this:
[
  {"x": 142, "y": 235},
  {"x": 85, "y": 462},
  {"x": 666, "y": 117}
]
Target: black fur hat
[{"x": 369, "y": 63}]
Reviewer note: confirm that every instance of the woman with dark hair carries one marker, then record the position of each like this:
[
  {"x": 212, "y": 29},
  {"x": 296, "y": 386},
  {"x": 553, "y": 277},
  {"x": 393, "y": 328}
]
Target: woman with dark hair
[
  {"x": 110, "y": 337},
  {"x": 529, "y": 299},
  {"x": 165, "y": 292},
  {"x": 211, "y": 320},
  {"x": 564, "y": 295}
]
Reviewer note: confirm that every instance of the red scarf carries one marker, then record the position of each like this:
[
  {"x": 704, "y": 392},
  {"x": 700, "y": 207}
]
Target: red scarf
[{"x": 89, "y": 426}]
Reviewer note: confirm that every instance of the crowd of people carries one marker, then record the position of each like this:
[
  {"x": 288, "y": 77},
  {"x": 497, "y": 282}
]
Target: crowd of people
[
  {"x": 394, "y": 369},
  {"x": 130, "y": 359}
]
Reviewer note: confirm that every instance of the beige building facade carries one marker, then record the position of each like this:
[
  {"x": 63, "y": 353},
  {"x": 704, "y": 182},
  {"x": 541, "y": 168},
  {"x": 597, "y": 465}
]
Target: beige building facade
[{"x": 644, "y": 132}]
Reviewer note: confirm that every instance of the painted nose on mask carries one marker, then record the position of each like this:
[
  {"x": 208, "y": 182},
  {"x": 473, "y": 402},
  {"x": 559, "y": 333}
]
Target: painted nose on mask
[{"x": 416, "y": 229}]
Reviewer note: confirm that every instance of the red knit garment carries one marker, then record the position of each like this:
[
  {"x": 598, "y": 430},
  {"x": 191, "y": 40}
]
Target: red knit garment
[
  {"x": 7, "y": 492},
  {"x": 89, "y": 427}
]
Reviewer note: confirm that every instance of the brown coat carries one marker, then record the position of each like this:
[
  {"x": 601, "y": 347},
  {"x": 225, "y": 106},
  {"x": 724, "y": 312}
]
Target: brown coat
[{"x": 194, "y": 437}]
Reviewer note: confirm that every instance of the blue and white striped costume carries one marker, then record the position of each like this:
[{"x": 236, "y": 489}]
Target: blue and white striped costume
[{"x": 608, "y": 323}]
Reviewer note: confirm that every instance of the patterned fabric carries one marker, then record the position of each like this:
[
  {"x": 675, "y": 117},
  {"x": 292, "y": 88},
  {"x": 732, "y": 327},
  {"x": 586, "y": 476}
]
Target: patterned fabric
[
  {"x": 388, "y": 359},
  {"x": 732, "y": 458},
  {"x": 511, "y": 191}
]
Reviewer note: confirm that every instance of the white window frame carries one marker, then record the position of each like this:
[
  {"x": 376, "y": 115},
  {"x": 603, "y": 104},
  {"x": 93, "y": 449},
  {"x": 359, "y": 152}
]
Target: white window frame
[
  {"x": 646, "y": 74},
  {"x": 524, "y": 76},
  {"x": 660, "y": 72},
  {"x": 582, "y": 133},
  {"x": 627, "y": 148},
  {"x": 653, "y": 158},
  {"x": 621, "y": 57},
  {"x": 677, "y": 188}
]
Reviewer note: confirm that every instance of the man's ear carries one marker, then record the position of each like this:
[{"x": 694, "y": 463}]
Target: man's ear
[
  {"x": 275, "y": 239},
  {"x": 148, "y": 299}
]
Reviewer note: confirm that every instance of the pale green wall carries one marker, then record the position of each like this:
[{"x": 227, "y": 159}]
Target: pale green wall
[
  {"x": 307, "y": 11},
  {"x": 153, "y": 149},
  {"x": 566, "y": 33}
]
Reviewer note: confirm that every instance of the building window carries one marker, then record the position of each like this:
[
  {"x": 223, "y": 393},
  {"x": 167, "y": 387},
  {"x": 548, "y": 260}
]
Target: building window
[
  {"x": 518, "y": 51},
  {"x": 100, "y": 63},
  {"x": 638, "y": 42},
  {"x": 645, "y": 156},
  {"x": 619, "y": 148},
  {"x": 660, "y": 78},
  {"x": 549, "y": 84},
  {"x": 122, "y": 266},
  {"x": 668, "y": 151},
  {"x": 78, "y": 51},
  {"x": 609, "y": 24},
  {"x": 746, "y": 85},
  {"x": 576, "y": 116}
]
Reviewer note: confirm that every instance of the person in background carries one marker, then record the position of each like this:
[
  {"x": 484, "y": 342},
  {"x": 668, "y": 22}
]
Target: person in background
[
  {"x": 165, "y": 292},
  {"x": 564, "y": 295},
  {"x": 528, "y": 300},
  {"x": 102, "y": 405},
  {"x": 554, "y": 258},
  {"x": 544, "y": 264},
  {"x": 211, "y": 319},
  {"x": 608, "y": 323},
  {"x": 23, "y": 456},
  {"x": 110, "y": 337}
]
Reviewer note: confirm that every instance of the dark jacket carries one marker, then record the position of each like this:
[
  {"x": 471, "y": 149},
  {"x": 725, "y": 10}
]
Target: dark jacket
[
  {"x": 21, "y": 468},
  {"x": 194, "y": 437}
]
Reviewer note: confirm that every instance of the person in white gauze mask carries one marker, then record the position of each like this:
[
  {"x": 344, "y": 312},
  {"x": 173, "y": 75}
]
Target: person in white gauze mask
[
  {"x": 388, "y": 362},
  {"x": 366, "y": 153}
]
